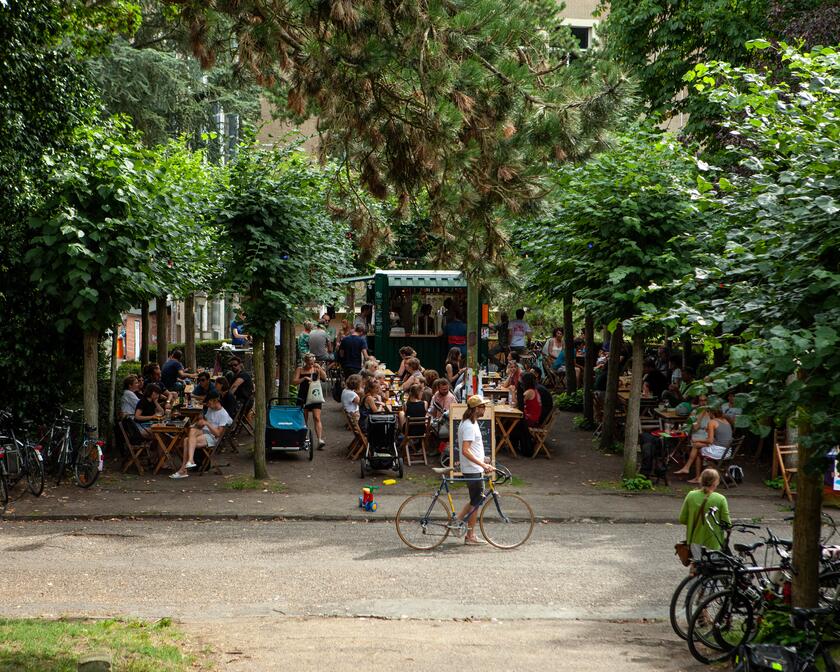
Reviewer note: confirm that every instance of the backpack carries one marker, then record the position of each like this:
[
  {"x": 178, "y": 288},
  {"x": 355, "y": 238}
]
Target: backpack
[
  {"x": 735, "y": 473},
  {"x": 765, "y": 657}
]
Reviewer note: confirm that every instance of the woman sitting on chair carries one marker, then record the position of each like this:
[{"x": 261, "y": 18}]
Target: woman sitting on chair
[{"x": 713, "y": 447}]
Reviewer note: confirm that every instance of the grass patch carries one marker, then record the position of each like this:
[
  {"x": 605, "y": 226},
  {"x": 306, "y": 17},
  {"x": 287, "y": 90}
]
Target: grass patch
[
  {"x": 250, "y": 483},
  {"x": 35, "y": 645}
]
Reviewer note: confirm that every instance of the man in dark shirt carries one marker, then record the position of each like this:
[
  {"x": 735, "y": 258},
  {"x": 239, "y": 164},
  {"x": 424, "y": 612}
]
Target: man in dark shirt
[
  {"x": 173, "y": 372},
  {"x": 456, "y": 332},
  {"x": 353, "y": 351},
  {"x": 654, "y": 382},
  {"x": 242, "y": 386}
]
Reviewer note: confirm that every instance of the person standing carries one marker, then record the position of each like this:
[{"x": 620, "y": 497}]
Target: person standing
[
  {"x": 319, "y": 344},
  {"x": 304, "y": 376},
  {"x": 519, "y": 331},
  {"x": 696, "y": 504},
  {"x": 353, "y": 351},
  {"x": 474, "y": 464},
  {"x": 503, "y": 336},
  {"x": 303, "y": 339},
  {"x": 456, "y": 332}
]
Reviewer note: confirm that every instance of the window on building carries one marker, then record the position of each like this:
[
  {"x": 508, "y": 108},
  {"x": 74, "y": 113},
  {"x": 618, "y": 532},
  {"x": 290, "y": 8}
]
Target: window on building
[{"x": 582, "y": 35}]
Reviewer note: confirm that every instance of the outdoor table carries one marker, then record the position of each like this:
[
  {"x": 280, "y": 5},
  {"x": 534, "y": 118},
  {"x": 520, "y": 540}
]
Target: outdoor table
[
  {"x": 193, "y": 411},
  {"x": 664, "y": 435},
  {"x": 669, "y": 415},
  {"x": 168, "y": 438},
  {"x": 507, "y": 417},
  {"x": 496, "y": 394}
]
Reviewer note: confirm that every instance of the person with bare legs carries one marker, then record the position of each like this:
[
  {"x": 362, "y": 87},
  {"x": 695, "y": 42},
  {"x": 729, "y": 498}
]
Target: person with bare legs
[
  {"x": 205, "y": 432},
  {"x": 473, "y": 463}
]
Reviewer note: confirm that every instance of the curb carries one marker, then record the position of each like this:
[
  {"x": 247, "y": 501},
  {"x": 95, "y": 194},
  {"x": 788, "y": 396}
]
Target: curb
[{"x": 268, "y": 517}]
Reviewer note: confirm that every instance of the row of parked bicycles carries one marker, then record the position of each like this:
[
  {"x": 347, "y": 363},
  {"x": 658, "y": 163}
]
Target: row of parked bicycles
[
  {"x": 30, "y": 454},
  {"x": 732, "y": 595}
]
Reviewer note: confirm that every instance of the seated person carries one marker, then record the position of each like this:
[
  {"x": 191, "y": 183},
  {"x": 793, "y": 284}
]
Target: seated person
[
  {"x": 654, "y": 383},
  {"x": 371, "y": 403},
  {"x": 350, "y": 399},
  {"x": 730, "y": 408},
  {"x": 429, "y": 376},
  {"x": 406, "y": 353},
  {"x": 173, "y": 372},
  {"x": 229, "y": 402},
  {"x": 242, "y": 385},
  {"x": 148, "y": 409},
  {"x": 151, "y": 376},
  {"x": 415, "y": 407},
  {"x": 205, "y": 432},
  {"x": 713, "y": 447},
  {"x": 531, "y": 400},
  {"x": 202, "y": 387},
  {"x": 130, "y": 396},
  {"x": 415, "y": 374},
  {"x": 547, "y": 403}
]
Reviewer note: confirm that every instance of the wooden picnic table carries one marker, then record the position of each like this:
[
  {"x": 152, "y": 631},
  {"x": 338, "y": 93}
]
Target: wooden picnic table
[
  {"x": 169, "y": 438},
  {"x": 193, "y": 411},
  {"x": 507, "y": 417},
  {"x": 496, "y": 394}
]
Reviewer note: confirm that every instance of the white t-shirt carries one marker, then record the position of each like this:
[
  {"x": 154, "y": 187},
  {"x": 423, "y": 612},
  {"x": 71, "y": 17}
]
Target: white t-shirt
[
  {"x": 350, "y": 400},
  {"x": 519, "y": 329},
  {"x": 128, "y": 402},
  {"x": 470, "y": 431},
  {"x": 218, "y": 418}
]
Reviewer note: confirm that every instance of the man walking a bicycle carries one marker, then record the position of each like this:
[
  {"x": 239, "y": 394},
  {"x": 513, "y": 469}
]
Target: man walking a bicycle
[{"x": 473, "y": 464}]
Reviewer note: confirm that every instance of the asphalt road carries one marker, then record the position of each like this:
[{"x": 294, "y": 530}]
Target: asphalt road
[{"x": 326, "y": 594}]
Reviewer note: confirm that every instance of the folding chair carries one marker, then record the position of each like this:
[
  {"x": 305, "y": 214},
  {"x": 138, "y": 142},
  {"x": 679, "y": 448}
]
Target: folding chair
[
  {"x": 358, "y": 445},
  {"x": 722, "y": 465},
  {"x": 786, "y": 459},
  {"x": 135, "y": 451},
  {"x": 228, "y": 441},
  {"x": 540, "y": 435},
  {"x": 242, "y": 421},
  {"x": 416, "y": 431},
  {"x": 210, "y": 453}
]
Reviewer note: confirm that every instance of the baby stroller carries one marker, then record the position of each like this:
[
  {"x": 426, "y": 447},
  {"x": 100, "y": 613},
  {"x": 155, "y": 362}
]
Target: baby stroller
[
  {"x": 286, "y": 429},
  {"x": 381, "y": 453}
]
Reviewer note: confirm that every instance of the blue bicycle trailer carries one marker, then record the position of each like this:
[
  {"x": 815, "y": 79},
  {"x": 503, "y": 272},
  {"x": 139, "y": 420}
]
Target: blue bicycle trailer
[{"x": 286, "y": 430}]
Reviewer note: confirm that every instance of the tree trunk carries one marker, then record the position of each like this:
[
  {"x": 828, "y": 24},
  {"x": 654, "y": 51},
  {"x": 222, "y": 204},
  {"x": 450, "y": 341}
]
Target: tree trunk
[
  {"x": 806, "y": 528},
  {"x": 569, "y": 345},
  {"x": 112, "y": 387},
  {"x": 260, "y": 471},
  {"x": 611, "y": 399},
  {"x": 270, "y": 369},
  {"x": 89, "y": 378},
  {"x": 145, "y": 334},
  {"x": 162, "y": 341},
  {"x": 287, "y": 347},
  {"x": 589, "y": 369},
  {"x": 685, "y": 341},
  {"x": 472, "y": 326},
  {"x": 631, "y": 434},
  {"x": 189, "y": 331}
]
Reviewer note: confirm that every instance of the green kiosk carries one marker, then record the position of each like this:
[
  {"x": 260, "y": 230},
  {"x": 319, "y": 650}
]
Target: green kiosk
[{"x": 411, "y": 307}]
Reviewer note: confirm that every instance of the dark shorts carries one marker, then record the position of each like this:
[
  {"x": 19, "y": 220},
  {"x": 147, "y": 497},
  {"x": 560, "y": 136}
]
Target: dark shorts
[{"x": 475, "y": 485}]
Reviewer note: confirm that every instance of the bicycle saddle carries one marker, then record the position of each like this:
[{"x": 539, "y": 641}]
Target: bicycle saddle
[
  {"x": 747, "y": 548},
  {"x": 442, "y": 470}
]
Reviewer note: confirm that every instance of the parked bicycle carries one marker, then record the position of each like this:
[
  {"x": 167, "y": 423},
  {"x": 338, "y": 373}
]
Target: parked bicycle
[
  {"x": 425, "y": 521},
  {"x": 19, "y": 459},
  {"x": 83, "y": 457}
]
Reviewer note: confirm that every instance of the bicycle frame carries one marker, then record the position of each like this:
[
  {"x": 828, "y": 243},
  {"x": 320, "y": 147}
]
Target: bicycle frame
[{"x": 444, "y": 488}]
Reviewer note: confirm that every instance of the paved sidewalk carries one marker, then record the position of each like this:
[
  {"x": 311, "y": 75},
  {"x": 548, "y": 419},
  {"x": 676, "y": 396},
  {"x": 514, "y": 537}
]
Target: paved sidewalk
[{"x": 578, "y": 484}]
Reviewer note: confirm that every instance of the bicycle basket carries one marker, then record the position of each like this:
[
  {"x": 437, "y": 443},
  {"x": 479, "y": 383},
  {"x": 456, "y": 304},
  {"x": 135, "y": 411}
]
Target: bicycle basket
[{"x": 769, "y": 657}]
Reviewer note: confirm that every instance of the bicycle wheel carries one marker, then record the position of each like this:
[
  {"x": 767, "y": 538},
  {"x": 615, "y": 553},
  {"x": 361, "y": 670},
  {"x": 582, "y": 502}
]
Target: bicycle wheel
[
  {"x": 86, "y": 466},
  {"x": 34, "y": 471},
  {"x": 719, "y": 625},
  {"x": 423, "y": 522},
  {"x": 506, "y": 522},
  {"x": 699, "y": 590},
  {"x": 678, "y": 608}
]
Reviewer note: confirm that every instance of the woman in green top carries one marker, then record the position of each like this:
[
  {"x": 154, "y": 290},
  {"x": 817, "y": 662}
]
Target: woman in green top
[{"x": 696, "y": 529}]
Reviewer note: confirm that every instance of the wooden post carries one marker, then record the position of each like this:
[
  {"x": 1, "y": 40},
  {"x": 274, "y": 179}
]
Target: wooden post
[
  {"x": 189, "y": 331},
  {"x": 589, "y": 369},
  {"x": 89, "y": 377},
  {"x": 611, "y": 398},
  {"x": 145, "y": 334},
  {"x": 162, "y": 341},
  {"x": 260, "y": 470},
  {"x": 569, "y": 345},
  {"x": 472, "y": 324},
  {"x": 631, "y": 435}
]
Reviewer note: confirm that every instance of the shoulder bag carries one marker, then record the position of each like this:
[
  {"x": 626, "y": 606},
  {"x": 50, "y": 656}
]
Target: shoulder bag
[
  {"x": 683, "y": 549},
  {"x": 314, "y": 393}
]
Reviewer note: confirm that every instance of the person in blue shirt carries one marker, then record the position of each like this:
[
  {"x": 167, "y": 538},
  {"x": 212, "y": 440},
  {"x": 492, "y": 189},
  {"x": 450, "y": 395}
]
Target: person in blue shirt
[
  {"x": 238, "y": 337},
  {"x": 173, "y": 372},
  {"x": 456, "y": 332}
]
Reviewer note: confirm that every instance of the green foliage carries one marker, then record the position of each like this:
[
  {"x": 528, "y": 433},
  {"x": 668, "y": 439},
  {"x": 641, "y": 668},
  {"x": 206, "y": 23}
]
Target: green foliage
[
  {"x": 778, "y": 483},
  {"x": 205, "y": 352},
  {"x": 569, "y": 402},
  {"x": 619, "y": 229},
  {"x": 637, "y": 484},
  {"x": 285, "y": 249},
  {"x": 775, "y": 628},
  {"x": 769, "y": 272}
]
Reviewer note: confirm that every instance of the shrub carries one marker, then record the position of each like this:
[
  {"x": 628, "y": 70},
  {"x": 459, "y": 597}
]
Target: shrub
[
  {"x": 638, "y": 483},
  {"x": 205, "y": 355},
  {"x": 566, "y": 402}
]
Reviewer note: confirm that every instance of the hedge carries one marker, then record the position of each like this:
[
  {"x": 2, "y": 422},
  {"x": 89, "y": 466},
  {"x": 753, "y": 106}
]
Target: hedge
[{"x": 205, "y": 355}]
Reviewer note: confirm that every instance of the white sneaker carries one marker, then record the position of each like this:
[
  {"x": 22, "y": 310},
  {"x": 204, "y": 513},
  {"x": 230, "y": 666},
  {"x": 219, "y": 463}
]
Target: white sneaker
[
  {"x": 191, "y": 465},
  {"x": 178, "y": 475}
]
